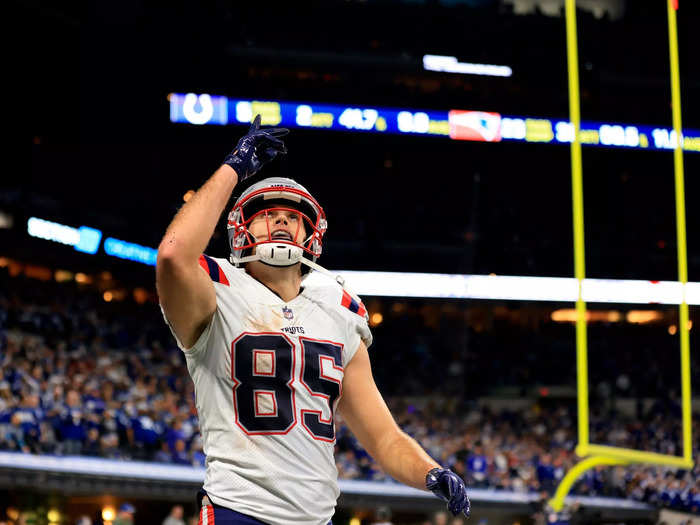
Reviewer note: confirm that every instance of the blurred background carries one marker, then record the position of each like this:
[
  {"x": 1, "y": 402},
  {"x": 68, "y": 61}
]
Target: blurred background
[{"x": 411, "y": 181}]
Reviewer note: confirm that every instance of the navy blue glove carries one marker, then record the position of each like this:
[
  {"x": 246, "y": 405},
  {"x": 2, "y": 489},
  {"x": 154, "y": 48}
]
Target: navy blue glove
[
  {"x": 449, "y": 487},
  {"x": 255, "y": 149}
]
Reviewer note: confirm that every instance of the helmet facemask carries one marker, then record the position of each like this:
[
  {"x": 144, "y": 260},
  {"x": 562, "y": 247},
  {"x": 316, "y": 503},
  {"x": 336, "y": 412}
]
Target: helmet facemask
[{"x": 264, "y": 204}]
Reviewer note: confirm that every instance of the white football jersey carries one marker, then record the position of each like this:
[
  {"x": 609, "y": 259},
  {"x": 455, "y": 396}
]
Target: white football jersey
[{"x": 268, "y": 375}]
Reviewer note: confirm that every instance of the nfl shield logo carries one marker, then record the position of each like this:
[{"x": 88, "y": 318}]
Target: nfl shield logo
[{"x": 288, "y": 314}]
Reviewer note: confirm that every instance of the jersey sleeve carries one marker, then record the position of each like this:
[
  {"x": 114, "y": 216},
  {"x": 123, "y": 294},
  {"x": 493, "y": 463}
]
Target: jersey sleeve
[
  {"x": 215, "y": 268},
  {"x": 202, "y": 340},
  {"x": 357, "y": 324},
  {"x": 358, "y": 331}
]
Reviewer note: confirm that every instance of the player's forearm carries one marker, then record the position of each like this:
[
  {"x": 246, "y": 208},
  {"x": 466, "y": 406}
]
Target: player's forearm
[
  {"x": 405, "y": 460},
  {"x": 191, "y": 229}
]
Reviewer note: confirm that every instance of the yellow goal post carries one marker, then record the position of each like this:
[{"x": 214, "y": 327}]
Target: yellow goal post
[{"x": 596, "y": 455}]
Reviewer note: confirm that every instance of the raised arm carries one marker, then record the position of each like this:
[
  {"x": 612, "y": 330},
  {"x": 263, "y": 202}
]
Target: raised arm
[
  {"x": 185, "y": 291},
  {"x": 399, "y": 455}
]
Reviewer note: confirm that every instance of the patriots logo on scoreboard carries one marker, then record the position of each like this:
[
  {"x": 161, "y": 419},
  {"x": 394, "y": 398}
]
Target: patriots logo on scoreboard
[
  {"x": 288, "y": 314},
  {"x": 474, "y": 125}
]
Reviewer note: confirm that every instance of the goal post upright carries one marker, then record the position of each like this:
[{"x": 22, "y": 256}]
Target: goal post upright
[
  {"x": 679, "y": 178},
  {"x": 598, "y": 455}
]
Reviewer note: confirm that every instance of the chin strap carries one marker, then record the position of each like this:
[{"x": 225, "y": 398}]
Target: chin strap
[
  {"x": 337, "y": 278},
  {"x": 241, "y": 260},
  {"x": 327, "y": 273}
]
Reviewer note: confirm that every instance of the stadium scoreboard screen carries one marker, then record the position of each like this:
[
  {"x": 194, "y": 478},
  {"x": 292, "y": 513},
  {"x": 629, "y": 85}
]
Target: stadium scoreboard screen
[{"x": 455, "y": 124}]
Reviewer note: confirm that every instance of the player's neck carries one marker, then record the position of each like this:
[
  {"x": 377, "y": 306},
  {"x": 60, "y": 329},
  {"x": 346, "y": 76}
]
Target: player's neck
[{"x": 284, "y": 281}]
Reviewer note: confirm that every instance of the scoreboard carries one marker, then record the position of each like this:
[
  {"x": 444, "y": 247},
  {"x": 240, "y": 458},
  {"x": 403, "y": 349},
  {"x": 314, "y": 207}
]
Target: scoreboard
[{"x": 455, "y": 124}]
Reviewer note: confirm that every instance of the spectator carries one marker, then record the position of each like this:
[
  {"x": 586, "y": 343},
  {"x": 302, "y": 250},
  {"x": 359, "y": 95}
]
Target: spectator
[
  {"x": 31, "y": 417},
  {"x": 180, "y": 456},
  {"x": 477, "y": 465},
  {"x": 440, "y": 518},
  {"x": 109, "y": 447},
  {"x": 125, "y": 515},
  {"x": 545, "y": 472},
  {"x": 92, "y": 446},
  {"x": 7, "y": 401},
  {"x": 175, "y": 432},
  {"x": 71, "y": 426},
  {"x": 198, "y": 457},
  {"x": 14, "y": 438},
  {"x": 164, "y": 455},
  {"x": 48, "y": 442},
  {"x": 175, "y": 516},
  {"x": 146, "y": 431},
  {"x": 382, "y": 516}
]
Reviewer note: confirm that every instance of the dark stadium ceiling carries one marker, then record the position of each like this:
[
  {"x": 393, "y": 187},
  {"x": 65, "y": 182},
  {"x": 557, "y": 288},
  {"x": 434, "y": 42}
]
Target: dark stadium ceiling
[
  {"x": 105, "y": 56},
  {"x": 104, "y": 152}
]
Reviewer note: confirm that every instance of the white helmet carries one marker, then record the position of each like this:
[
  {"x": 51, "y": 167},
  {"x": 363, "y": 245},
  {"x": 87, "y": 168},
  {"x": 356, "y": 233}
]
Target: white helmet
[{"x": 276, "y": 193}]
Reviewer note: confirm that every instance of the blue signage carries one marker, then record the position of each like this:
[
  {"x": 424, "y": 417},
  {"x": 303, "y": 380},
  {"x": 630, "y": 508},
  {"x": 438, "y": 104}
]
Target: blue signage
[{"x": 130, "y": 251}]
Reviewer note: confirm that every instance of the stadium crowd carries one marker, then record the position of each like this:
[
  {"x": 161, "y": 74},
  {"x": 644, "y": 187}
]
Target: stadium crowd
[
  {"x": 79, "y": 375},
  {"x": 531, "y": 450}
]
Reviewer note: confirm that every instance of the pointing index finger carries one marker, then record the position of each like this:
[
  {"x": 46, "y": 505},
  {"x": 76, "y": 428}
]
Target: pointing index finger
[
  {"x": 276, "y": 132},
  {"x": 255, "y": 125}
]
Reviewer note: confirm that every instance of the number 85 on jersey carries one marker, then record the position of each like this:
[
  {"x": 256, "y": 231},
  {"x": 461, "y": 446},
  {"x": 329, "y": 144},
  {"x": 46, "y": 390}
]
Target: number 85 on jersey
[{"x": 264, "y": 396}]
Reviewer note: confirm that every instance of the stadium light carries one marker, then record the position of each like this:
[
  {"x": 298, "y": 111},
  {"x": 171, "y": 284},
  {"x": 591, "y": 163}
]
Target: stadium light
[
  {"x": 53, "y": 231},
  {"x": 448, "y": 64},
  {"x": 570, "y": 315},
  {"x": 108, "y": 513},
  {"x": 376, "y": 319},
  {"x": 83, "y": 239},
  {"x": 423, "y": 285},
  {"x": 643, "y": 316}
]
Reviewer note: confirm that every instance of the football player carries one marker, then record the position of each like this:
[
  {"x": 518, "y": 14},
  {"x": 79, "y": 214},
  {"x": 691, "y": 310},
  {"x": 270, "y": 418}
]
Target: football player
[{"x": 271, "y": 358}]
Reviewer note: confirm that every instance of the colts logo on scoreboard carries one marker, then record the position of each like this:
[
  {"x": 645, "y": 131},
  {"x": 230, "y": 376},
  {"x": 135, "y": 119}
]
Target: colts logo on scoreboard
[{"x": 288, "y": 314}]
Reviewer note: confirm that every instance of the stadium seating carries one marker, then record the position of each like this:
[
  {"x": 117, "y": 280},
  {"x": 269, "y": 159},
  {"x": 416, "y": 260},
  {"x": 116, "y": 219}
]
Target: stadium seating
[{"x": 82, "y": 376}]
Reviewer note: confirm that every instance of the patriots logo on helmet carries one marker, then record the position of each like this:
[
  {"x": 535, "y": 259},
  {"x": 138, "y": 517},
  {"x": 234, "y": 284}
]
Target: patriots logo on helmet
[{"x": 288, "y": 314}]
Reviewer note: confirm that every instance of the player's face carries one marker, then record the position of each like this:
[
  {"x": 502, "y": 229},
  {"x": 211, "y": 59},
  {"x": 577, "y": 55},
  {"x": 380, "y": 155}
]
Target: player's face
[{"x": 283, "y": 225}]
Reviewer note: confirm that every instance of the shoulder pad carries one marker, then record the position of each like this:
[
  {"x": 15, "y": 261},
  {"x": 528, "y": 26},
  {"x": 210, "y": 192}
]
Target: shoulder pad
[
  {"x": 355, "y": 306},
  {"x": 213, "y": 269}
]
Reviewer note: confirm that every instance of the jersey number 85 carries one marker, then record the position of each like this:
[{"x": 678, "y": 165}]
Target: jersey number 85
[{"x": 262, "y": 370}]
